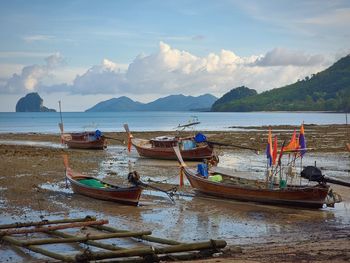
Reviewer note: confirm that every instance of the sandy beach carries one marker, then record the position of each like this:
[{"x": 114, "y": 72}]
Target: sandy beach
[{"x": 32, "y": 187}]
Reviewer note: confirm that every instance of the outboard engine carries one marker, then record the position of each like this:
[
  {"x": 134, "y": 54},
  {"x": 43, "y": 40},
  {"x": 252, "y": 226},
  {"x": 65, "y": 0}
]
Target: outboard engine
[
  {"x": 134, "y": 178},
  {"x": 312, "y": 173}
]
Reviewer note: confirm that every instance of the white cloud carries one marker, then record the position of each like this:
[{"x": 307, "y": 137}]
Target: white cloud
[
  {"x": 285, "y": 57},
  {"x": 31, "y": 76},
  {"x": 35, "y": 38},
  {"x": 7, "y": 70},
  {"x": 172, "y": 71},
  {"x": 54, "y": 60}
]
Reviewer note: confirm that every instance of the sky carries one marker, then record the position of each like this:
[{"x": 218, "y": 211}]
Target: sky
[{"x": 82, "y": 52}]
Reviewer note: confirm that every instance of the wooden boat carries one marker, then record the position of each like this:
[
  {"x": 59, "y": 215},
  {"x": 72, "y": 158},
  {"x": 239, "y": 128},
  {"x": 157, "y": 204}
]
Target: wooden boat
[
  {"x": 84, "y": 140},
  {"x": 162, "y": 147},
  {"x": 238, "y": 188},
  {"x": 96, "y": 188}
]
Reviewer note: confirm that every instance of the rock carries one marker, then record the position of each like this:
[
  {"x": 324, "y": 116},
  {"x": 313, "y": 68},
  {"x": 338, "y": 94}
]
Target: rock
[
  {"x": 232, "y": 250},
  {"x": 216, "y": 255},
  {"x": 32, "y": 102}
]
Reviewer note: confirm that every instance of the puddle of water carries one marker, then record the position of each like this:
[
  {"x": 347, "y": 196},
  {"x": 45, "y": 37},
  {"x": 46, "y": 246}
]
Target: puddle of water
[
  {"x": 23, "y": 175},
  {"x": 32, "y": 143},
  {"x": 57, "y": 188}
]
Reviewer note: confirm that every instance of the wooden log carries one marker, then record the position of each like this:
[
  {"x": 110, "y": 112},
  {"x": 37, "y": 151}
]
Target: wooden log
[
  {"x": 144, "y": 237},
  {"x": 45, "y": 229},
  {"x": 83, "y": 238},
  {"x": 46, "y": 222},
  {"x": 39, "y": 250},
  {"x": 89, "y": 242},
  {"x": 212, "y": 244}
]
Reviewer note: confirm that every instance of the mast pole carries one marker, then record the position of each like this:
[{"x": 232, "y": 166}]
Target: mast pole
[
  {"x": 61, "y": 123},
  {"x": 59, "y": 104}
]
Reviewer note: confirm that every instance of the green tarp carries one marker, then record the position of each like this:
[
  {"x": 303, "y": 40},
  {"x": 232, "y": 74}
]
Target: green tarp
[
  {"x": 215, "y": 178},
  {"x": 92, "y": 183}
]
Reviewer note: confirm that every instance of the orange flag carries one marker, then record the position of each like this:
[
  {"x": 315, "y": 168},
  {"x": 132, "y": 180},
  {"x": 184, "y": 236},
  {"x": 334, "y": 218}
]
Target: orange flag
[
  {"x": 293, "y": 144},
  {"x": 274, "y": 151}
]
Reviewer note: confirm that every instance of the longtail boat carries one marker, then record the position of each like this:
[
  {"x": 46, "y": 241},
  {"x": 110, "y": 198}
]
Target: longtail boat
[
  {"x": 233, "y": 187},
  {"x": 96, "y": 188},
  {"x": 162, "y": 147},
  {"x": 84, "y": 140}
]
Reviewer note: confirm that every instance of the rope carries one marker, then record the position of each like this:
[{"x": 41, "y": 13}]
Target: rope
[{"x": 134, "y": 178}]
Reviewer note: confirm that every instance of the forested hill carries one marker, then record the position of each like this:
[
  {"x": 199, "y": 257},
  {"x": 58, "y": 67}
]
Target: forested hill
[
  {"x": 328, "y": 90},
  {"x": 232, "y": 95}
]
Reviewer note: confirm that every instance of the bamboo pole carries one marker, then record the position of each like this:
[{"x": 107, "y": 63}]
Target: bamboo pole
[
  {"x": 212, "y": 244},
  {"x": 46, "y": 222},
  {"x": 36, "y": 249},
  {"x": 161, "y": 258},
  {"x": 132, "y": 252},
  {"x": 83, "y": 238},
  {"x": 89, "y": 242},
  {"x": 45, "y": 229},
  {"x": 144, "y": 237}
]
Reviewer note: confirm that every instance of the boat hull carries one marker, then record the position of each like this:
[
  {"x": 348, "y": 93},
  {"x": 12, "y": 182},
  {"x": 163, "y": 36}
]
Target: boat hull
[
  {"x": 82, "y": 141},
  {"x": 167, "y": 153},
  {"x": 123, "y": 195},
  {"x": 302, "y": 196}
]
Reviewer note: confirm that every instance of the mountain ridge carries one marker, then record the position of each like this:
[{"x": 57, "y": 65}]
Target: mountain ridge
[{"x": 177, "y": 102}]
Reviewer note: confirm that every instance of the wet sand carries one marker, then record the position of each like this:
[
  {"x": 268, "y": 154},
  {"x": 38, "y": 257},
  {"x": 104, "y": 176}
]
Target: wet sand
[{"x": 32, "y": 187}]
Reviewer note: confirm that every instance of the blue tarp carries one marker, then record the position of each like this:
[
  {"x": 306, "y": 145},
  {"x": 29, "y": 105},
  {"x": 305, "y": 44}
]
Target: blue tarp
[
  {"x": 202, "y": 169},
  {"x": 98, "y": 134},
  {"x": 200, "y": 138}
]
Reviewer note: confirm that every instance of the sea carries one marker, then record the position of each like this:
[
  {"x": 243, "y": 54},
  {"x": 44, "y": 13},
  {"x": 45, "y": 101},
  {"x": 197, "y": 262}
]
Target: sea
[{"x": 47, "y": 122}]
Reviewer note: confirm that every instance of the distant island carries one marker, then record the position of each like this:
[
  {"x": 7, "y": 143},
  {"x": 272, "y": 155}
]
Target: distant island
[
  {"x": 170, "y": 103},
  {"x": 328, "y": 90},
  {"x": 32, "y": 102}
]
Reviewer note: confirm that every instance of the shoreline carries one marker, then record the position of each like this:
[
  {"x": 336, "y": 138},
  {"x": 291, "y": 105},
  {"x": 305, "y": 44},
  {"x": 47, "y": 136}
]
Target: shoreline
[{"x": 320, "y": 138}]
